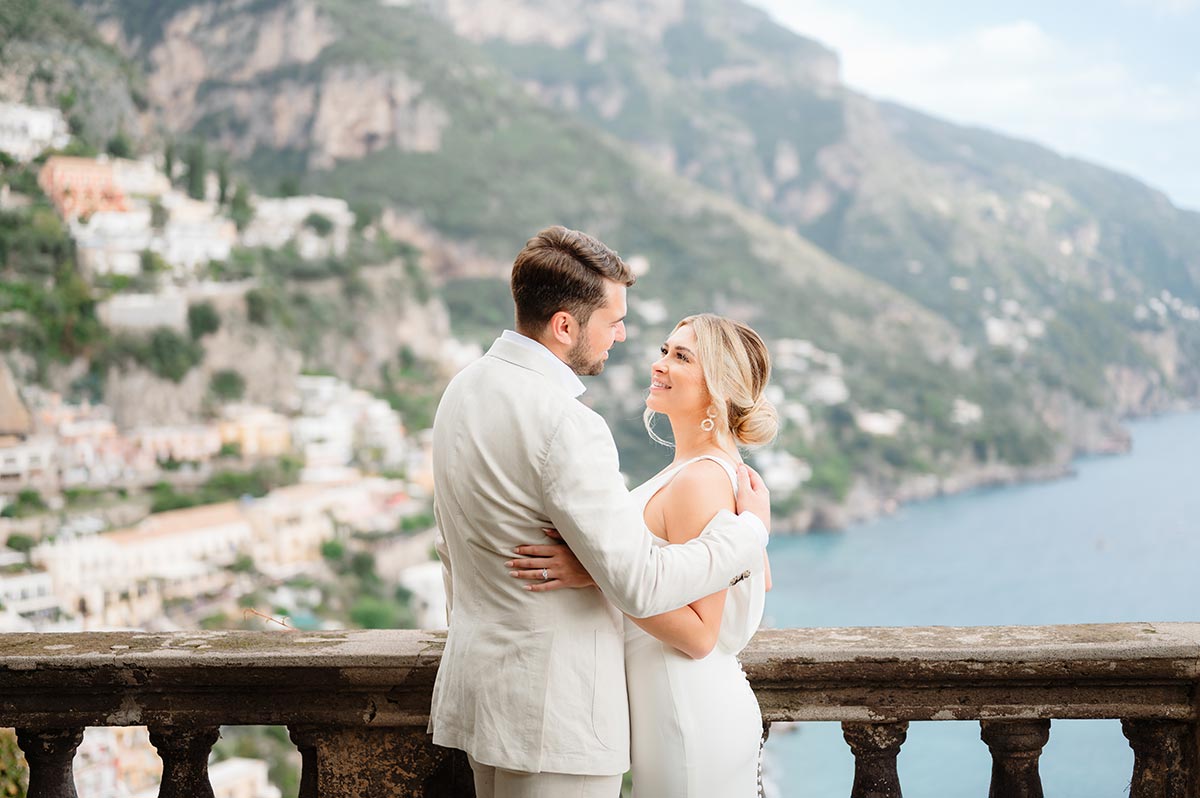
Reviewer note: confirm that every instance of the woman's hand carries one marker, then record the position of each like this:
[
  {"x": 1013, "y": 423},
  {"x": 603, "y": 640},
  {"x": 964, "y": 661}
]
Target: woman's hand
[{"x": 550, "y": 567}]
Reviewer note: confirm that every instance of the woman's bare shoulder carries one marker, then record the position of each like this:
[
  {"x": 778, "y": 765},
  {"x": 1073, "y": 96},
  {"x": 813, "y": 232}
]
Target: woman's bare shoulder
[{"x": 697, "y": 493}]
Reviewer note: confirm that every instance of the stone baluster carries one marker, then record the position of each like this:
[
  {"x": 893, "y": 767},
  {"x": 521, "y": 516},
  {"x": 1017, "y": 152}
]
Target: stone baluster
[
  {"x": 184, "y": 751},
  {"x": 1016, "y": 746},
  {"x": 1163, "y": 755},
  {"x": 305, "y": 738},
  {"x": 875, "y": 747},
  {"x": 49, "y": 753},
  {"x": 349, "y": 762}
]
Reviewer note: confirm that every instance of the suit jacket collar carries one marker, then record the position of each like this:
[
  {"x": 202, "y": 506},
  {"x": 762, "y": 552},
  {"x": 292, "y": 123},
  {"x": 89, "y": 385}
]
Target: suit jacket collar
[{"x": 545, "y": 364}]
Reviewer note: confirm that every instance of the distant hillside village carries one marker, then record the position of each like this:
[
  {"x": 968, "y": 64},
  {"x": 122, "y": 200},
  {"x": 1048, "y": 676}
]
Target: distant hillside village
[{"x": 250, "y": 515}]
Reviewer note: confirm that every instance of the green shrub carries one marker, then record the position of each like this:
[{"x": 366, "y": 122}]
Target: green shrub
[
  {"x": 319, "y": 224},
  {"x": 203, "y": 320},
  {"x": 227, "y": 385},
  {"x": 256, "y": 306},
  {"x": 20, "y": 542},
  {"x": 170, "y": 355}
]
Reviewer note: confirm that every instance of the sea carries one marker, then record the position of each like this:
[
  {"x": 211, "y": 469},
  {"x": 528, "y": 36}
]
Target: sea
[{"x": 1118, "y": 541}]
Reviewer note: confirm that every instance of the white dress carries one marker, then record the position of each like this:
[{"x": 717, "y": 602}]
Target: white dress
[{"x": 696, "y": 730}]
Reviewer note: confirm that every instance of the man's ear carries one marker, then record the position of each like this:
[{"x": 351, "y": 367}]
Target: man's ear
[{"x": 563, "y": 328}]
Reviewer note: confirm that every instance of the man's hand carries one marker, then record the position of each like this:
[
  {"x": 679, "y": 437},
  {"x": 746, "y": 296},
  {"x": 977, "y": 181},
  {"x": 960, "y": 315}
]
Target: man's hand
[
  {"x": 753, "y": 495},
  {"x": 549, "y": 567}
]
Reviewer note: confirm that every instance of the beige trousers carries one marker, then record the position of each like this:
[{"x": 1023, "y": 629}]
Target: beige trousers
[{"x": 492, "y": 782}]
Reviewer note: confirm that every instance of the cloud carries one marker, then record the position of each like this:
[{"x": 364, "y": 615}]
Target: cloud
[{"x": 1017, "y": 78}]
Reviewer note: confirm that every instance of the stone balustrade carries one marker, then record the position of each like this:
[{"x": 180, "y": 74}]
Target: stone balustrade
[{"x": 357, "y": 702}]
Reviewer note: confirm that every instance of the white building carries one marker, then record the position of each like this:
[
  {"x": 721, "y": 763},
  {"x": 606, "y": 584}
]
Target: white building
[
  {"x": 31, "y": 463},
  {"x": 112, "y": 242},
  {"x": 278, "y": 221},
  {"x": 325, "y": 440},
  {"x": 30, "y": 595},
  {"x": 194, "y": 234},
  {"x": 884, "y": 424},
  {"x": 258, "y": 431},
  {"x": 121, "y": 578},
  {"x": 338, "y": 420},
  {"x": 828, "y": 389},
  {"x": 140, "y": 178},
  {"x": 27, "y": 131},
  {"x": 185, "y": 442},
  {"x": 380, "y": 428},
  {"x": 91, "y": 452},
  {"x": 145, "y": 311},
  {"x": 781, "y": 470}
]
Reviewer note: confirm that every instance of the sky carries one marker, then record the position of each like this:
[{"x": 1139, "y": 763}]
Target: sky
[{"x": 1115, "y": 82}]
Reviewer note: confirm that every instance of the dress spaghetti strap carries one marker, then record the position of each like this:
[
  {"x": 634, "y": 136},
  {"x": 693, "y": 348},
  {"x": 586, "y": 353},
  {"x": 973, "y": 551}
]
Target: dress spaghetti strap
[{"x": 729, "y": 468}]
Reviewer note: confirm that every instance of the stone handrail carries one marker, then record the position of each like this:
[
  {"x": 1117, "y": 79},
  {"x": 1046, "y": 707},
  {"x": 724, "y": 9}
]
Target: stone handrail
[{"x": 357, "y": 702}]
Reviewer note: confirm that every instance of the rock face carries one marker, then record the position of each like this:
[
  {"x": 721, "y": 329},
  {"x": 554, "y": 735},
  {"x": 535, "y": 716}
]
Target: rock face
[
  {"x": 359, "y": 112},
  {"x": 266, "y": 85}
]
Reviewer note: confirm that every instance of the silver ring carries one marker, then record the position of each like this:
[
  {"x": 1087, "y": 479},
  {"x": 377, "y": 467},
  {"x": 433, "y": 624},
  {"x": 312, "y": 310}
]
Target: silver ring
[{"x": 545, "y": 575}]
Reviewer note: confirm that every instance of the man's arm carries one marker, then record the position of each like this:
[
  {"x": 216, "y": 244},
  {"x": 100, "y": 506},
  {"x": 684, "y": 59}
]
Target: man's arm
[{"x": 588, "y": 504}]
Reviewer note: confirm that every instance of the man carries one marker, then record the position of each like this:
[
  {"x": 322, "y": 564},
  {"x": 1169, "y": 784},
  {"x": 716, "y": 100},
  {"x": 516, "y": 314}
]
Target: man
[{"x": 532, "y": 687}]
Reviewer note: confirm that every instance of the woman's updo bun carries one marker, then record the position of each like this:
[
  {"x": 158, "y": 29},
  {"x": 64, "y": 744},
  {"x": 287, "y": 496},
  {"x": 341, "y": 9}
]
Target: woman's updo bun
[{"x": 756, "y": 425}]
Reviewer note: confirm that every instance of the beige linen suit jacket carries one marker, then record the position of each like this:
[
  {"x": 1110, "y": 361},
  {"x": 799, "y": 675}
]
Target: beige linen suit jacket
[{"x": 535, "y": 682}]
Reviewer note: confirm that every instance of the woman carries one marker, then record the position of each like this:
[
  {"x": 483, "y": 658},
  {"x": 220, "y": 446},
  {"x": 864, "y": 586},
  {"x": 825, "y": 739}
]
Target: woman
[{"x": 695, "y": 723}]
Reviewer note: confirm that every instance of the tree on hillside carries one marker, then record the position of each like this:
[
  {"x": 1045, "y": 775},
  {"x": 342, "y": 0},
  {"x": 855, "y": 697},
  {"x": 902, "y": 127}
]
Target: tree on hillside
[
  {"x": 158, "y": 214},
  {"x": 223, "y": 180},
  {"x": 20, "y": 543},
  {"x": 240, "y": 210},
  {"x": 196, "y": 170},
  {"x": 119, "y": 146}
]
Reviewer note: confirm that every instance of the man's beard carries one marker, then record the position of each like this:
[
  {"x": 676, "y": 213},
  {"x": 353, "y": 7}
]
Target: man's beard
[{"x": 577, "y": 359}]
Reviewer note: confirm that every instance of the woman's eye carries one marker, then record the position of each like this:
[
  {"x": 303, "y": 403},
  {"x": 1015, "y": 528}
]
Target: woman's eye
[
  {"x": 681, "y": 356},
  {"x": 662, "y": 350}
]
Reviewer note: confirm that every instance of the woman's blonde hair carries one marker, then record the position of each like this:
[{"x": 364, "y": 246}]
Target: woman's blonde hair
[{"x": 736, "y": 367}]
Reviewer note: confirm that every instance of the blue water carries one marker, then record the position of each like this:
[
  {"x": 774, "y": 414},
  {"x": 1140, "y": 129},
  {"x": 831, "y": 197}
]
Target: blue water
[{"x": 1119, "y": 541}]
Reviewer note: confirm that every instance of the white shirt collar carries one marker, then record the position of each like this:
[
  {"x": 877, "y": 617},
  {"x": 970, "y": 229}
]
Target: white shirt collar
[{"x": 566, "y": 376}]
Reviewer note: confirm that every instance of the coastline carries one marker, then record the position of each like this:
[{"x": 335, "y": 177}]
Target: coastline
[{"x": 866, "y": 502}]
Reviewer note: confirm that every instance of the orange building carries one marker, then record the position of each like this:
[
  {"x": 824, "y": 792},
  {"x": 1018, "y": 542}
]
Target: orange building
[{"x": 81, "y": 186}]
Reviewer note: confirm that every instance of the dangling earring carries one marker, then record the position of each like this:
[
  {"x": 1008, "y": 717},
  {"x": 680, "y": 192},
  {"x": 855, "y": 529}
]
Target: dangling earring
[{"x": 709, "y": 424}]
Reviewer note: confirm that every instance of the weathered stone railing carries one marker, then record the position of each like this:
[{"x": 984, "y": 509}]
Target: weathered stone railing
[{"x": 357, "y": 702}]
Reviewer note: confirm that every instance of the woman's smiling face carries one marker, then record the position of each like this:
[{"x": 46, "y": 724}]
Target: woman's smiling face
[{"x": 677, "y": 385}]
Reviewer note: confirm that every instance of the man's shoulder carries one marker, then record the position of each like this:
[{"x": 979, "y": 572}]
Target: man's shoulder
[{"x": 502, "y": 389}]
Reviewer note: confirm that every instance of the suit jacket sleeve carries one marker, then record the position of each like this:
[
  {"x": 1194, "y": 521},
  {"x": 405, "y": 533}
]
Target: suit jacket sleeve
[{"x": 588, "y": 503}]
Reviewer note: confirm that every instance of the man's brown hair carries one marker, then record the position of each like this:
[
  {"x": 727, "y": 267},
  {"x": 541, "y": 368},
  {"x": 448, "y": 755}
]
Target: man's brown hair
[{"x": 562, "y": 269}]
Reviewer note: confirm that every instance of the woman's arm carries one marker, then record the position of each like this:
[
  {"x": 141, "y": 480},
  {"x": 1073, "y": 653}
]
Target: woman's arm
[{"x": 689, "y": 502}]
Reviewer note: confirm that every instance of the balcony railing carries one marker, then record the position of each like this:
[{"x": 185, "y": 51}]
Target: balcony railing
[{"x": 357, "y": 703}]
